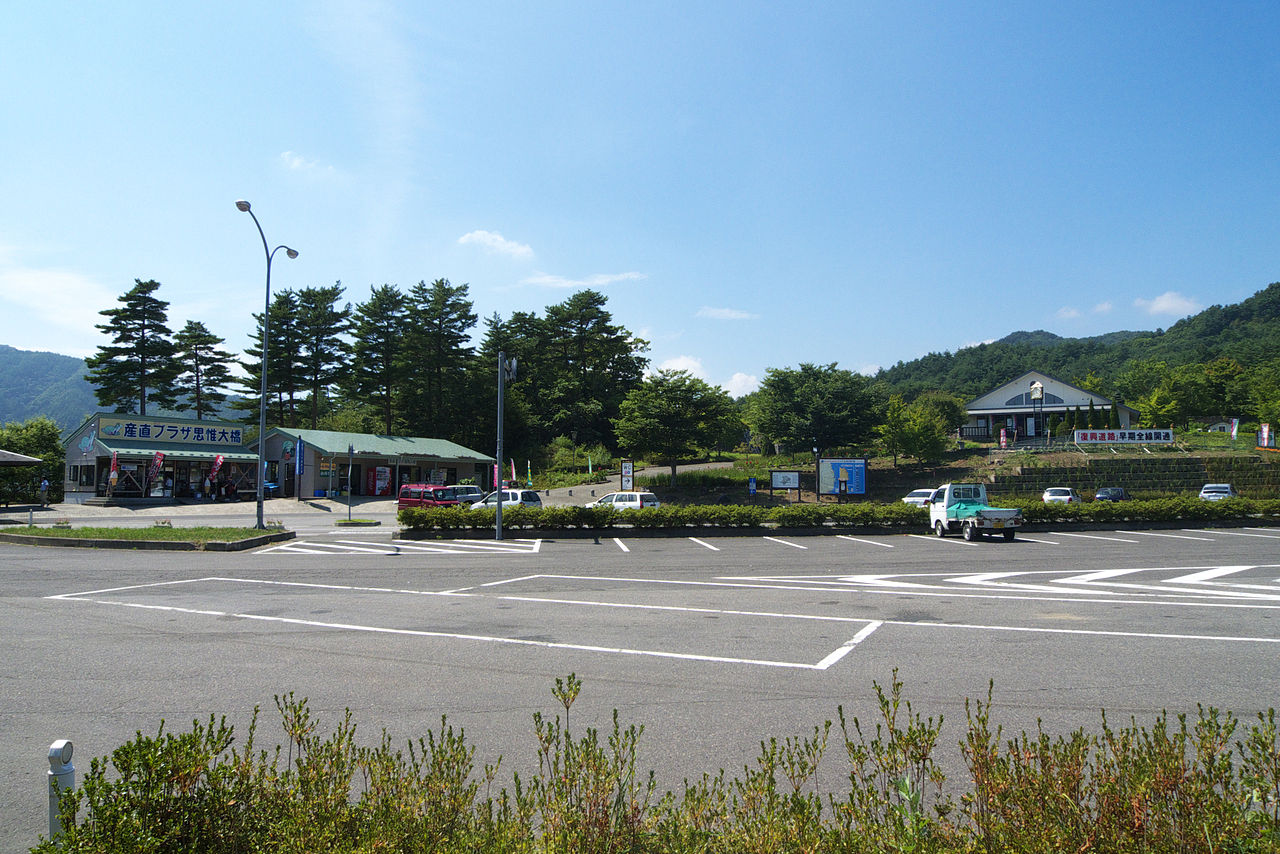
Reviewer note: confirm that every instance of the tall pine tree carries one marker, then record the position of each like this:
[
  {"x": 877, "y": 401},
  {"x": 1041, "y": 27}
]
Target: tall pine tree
[
  {"x": 138, "y": 366},
  {"x": 204, "y": 370},
  {"x": 378, "y": 368},
  {"x": 438, "y": 396}
]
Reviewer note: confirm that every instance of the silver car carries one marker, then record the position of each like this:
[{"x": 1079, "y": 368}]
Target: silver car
[
  {"x": 523, "y": 497},
  {"x": 918, "y": 497},
  {"x": 1060, "y": 495},
  {"x": 1217, "y": 492}
]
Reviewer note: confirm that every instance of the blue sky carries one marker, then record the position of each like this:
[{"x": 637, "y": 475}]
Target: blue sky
[{"x": 752, "y": 185}]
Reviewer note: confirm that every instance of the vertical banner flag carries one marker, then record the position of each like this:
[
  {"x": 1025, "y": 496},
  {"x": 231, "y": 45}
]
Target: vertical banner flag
[
  {"x": 528, "y": 467},
  {"x": 115, "y": 461},
  {"x": 1266, "y": 435},
  {"x": 156, "y": 462},
  {"x": 588, "y": 464},
  {"x": 1004, "y": 438},
  {"x": 217, "y": 464},
  {"x": 297, "y": 461},
  {"x": 1235, "y": 427},
  {"x": 513, "y": 469},
  {"x": 497, "y": 474}
]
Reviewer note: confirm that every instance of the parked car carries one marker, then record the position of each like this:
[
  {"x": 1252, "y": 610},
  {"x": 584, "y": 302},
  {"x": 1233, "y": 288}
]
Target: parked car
[
  {"x": 918, "y": 497},
  {"x": 1111, "y": 493},
  {"x": 523, "y": 497},
  {"x": 426, "y": 495},
  {"x": 468, "y": 493},
  {"x": 1217, "y": 491},
  {"x": 1060, "y": 495},
  {"x": 626, "y": 500}
]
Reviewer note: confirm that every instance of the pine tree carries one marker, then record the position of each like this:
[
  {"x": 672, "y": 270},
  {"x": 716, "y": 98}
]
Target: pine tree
[
  {"x": 138, "y": 367},
  {"x": 283, "y": 370},
  {"x": 204, "y": 370},
  {"x": 322, "y": 353},
  {"x": 378, "y": 367},
  {"x": 438, "y": 390}
]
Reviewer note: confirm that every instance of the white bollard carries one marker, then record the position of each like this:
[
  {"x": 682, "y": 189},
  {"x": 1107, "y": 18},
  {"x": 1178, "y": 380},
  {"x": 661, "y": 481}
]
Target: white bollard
[{"x": 62, "y": 775}]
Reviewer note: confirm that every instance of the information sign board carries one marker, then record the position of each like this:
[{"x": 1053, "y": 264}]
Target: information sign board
[{"x": 842, "y": 477}]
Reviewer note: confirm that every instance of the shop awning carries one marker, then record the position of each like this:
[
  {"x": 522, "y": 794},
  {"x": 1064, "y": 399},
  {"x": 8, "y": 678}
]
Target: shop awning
[
  {"x": 176, "y": 451},
  {"x": 13, "y": 458}
]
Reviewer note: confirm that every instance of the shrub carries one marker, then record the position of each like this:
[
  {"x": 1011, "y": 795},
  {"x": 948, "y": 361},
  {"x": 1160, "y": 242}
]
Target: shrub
[{"x": 1198, "y": 784}]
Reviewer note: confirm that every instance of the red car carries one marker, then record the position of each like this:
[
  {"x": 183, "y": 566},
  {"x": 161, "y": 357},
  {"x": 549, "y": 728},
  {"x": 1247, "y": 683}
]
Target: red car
[{"x": 426, "y": 495}]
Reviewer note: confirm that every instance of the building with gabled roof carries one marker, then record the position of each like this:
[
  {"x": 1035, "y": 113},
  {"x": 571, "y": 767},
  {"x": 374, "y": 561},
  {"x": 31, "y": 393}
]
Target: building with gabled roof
[{"x": 1022, "y": 407}]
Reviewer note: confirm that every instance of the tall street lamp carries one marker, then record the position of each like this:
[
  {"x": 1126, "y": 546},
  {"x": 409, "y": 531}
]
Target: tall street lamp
[{"x": 244, "y": 207}]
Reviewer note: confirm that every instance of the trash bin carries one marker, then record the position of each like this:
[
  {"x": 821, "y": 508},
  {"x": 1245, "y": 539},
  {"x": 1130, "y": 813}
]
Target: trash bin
[{"x": 319, "y": 493}]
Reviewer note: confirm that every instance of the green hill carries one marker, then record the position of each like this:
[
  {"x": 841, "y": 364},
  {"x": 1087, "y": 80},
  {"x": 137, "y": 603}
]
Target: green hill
[
  {"x": 35, "y": 383},
  {"x": 1248, "y": 332}
]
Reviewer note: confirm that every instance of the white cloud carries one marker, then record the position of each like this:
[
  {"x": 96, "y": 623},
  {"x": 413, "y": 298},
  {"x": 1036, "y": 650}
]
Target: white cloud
[
  {"x": 725, "y": 313},
  {"x": 740, "y": 384},
  {"x": 295, "y": 162},
  {"x": 493, "y": 242},
  {"x": 41, "y": 309},
  {"x": 684, "y": 363},
  {"x": 1068, "y": 313},
  {"x": 1169, "y": 302},
  {"x": 1102, "y": 308},
  {"x": 599, "y": 280},
  {"x": 869, "y": 370}
]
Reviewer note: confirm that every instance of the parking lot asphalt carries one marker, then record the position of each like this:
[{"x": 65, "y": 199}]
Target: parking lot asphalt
[{"x": 712, "y": 645}]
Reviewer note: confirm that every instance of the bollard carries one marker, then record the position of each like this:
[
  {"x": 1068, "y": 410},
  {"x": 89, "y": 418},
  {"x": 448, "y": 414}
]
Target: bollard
[
  {"x": 62, "y": 775},
  {"x": 593, "y": 493},
  {"x": 571, "y": 492}
]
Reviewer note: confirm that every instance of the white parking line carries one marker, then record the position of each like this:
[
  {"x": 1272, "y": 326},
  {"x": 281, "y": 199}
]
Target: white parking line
[
  {"x": 848, "y": 645},
  {"x": 621, "y": 544},
  {"x": 704, "y": 544},
  {"x": 1208, "y": 574},
  {"x": 1172, "y": 536},
  {"x": 937, "y": 539},
  {"x": 1091, "y": 537},
  {"x": 1022, "y": 536},
  {"x": 868, "y": 542},
  {"x": 1234, "y": 533},
  {"x": 785, "y": 543}
]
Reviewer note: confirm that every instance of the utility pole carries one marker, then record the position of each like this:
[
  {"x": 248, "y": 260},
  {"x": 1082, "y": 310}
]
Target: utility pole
[{"x": 506, "y": 372}]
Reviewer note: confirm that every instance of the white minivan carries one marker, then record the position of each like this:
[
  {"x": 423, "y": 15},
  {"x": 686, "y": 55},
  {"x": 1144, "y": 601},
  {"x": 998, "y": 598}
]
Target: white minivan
[{"x": 626, "y": 500}]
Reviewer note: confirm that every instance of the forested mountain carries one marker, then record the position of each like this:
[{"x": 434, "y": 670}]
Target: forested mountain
[
  {"x": 34, "y": 383},
  {"x": 1247, "y": 332}
]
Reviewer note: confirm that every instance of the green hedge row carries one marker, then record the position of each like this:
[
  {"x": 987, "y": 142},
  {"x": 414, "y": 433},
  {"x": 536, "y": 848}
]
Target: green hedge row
[{"x": 859, "y": 515}]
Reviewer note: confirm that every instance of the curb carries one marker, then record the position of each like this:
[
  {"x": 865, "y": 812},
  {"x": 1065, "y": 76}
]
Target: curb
[
  {"x": 744, "y": 531},
  {"x": 147, "y": 545}
]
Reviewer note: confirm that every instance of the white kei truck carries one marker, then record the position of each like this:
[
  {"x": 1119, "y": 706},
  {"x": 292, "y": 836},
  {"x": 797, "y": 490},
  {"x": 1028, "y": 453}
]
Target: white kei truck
[{"x": 962, "y": 508}]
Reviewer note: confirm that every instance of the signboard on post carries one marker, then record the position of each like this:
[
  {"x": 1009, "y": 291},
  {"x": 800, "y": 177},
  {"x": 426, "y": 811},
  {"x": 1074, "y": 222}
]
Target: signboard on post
[
  {"x": 628, "y": 478},
  {"x": 784, "y": 480},
  {"x": 842, "y": 477}
]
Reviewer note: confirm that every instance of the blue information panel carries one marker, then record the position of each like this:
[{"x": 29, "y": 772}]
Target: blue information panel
[{"x": 847, "y": 477}]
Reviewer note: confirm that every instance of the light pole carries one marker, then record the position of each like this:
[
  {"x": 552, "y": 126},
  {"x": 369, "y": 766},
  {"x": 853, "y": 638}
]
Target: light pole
[{"x": 244, "y": 207}]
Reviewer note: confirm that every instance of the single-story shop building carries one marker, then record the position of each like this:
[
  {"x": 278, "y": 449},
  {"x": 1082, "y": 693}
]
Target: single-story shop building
[
  {"x": 1023, "y": 406},
  {"x": 312, "y": 463},
  {"x": 137, "y": 456}
]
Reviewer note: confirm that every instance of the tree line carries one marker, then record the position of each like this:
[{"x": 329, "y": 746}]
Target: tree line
[{"x": 404, "y": 363}]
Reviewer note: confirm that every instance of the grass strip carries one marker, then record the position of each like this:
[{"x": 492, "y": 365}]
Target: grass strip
[{"x": 198, "y": 534}]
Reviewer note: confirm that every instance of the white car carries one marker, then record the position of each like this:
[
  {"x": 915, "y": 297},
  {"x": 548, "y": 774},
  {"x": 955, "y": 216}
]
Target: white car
[
  {"x": 1217, "y": 491},
  {"x": 1060, "y": 495},
  {"x": 918, "y": 497},
  {"x": 626, "y": 500},
  {"x": 523, "y": 497}
]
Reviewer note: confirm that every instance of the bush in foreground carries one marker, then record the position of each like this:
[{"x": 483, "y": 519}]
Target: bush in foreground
[{"x": 1202, "y": 785}]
